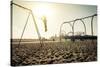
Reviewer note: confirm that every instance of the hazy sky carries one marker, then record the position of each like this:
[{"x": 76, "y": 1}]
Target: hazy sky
[{"x": 56, "y": 14}]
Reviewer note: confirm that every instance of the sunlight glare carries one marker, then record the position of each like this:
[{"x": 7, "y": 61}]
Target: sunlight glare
[{"x": 42, "y": 10}]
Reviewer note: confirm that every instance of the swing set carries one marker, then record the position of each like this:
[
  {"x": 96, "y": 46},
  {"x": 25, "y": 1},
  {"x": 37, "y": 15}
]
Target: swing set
[{"x": 33, "y": 18}]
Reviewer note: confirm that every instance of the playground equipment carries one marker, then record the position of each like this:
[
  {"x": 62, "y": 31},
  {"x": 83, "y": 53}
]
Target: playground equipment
[
  {"x": 73, "y": 37},
  {"x": 36, "y": 27}
]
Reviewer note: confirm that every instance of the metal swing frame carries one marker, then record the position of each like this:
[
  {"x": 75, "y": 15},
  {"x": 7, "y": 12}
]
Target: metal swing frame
[{"x": 30, "y": 13}]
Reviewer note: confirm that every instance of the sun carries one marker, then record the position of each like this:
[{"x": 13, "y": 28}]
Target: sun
[{"x": 41, "y": 10}]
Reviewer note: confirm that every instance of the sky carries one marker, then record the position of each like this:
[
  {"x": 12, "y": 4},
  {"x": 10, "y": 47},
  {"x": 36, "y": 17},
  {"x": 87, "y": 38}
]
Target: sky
[{"x": 55, "y": 13}]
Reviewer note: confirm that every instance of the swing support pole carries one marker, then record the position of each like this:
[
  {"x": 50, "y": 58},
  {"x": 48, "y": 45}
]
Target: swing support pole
[{"x": 30, "y": 12}]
